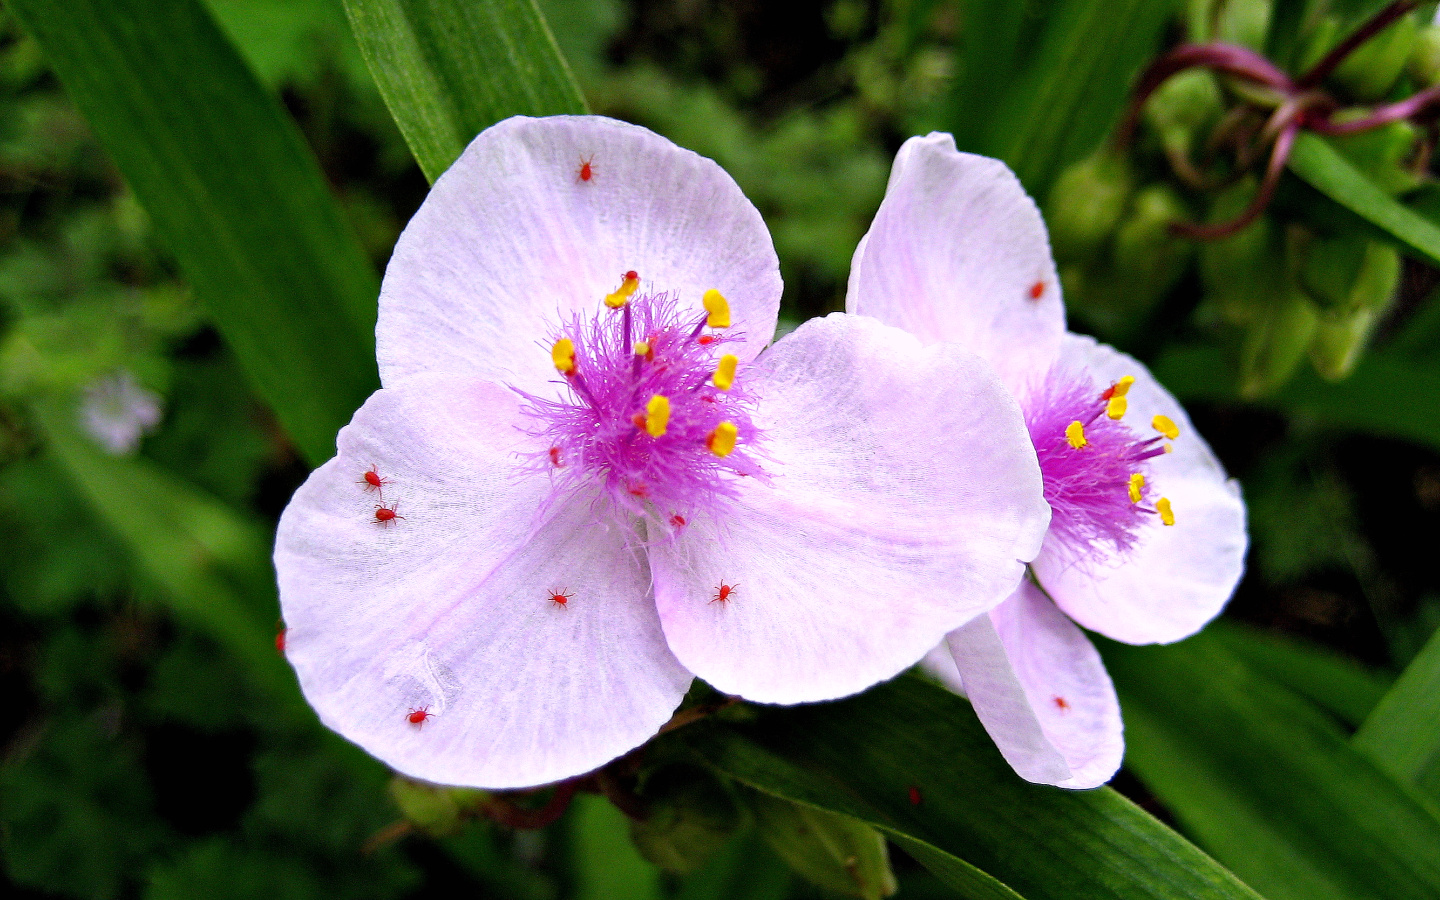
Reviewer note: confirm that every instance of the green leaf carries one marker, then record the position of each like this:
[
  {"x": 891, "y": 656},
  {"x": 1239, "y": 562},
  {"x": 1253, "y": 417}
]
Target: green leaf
[
  {"x": 1334, "y": 682},
  {"x": 1326, "y": 170},
  {"x": 211, "y": 565},
  {"x": 744, "y": 870},
  {"x": 232, "y": 191},
  {"x": 607, "y": 865},
  {"x": 1386, "y": 395},
  {"x": 977, "y": 825},
  {"x": 1045, "y": 110},
  {"x": 1402, "y": 735},
  {"x": 449, "y": 70},
  {"x": 1267, "y": 782}
]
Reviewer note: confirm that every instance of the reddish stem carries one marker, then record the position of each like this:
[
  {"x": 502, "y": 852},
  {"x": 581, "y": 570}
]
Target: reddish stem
[
  {"x": 1228, "y": 58},
  {"x": 512, "y": 815},
  {"x": 1408, "y": 108},
  {"x": 1332, "y": 60},
  {"x": 1279, "y": 154}
]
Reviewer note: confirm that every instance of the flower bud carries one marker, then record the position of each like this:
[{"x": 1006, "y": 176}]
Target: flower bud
[
  {"x": 1386, "y": 154},
  {"x": 691, "y": 815},
  {"x": 1423, "y": 66},
  {"x": 1085, "y": 205},
  {"x": 1339, "y": 342},
  {"x": 1346, "y": 273},
  {"x": 1182, "y": 107},
  {"x": 1244, "y": 272},
  {"x": 835, "y": 852},
  {"x": 437, "y": 811},
  {"x": 1370, "y": 72},
  {"x": 1275, "y": 342},
  {"x": 1243, "y": 22}
]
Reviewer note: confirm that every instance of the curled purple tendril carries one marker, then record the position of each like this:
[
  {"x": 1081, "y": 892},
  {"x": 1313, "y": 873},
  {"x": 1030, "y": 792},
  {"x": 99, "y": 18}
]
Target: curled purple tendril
[{"x": 1302, "y": 105}]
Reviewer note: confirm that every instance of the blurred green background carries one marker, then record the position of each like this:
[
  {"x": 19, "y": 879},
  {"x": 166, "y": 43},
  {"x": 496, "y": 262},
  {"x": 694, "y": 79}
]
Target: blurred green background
[{"x": 151, "y": 741}]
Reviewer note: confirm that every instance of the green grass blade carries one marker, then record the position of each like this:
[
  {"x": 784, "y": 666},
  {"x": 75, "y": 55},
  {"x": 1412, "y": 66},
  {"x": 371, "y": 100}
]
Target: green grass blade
[
  {"x": 1326, "y": 170},
  {"x": 448, "y": 70},
  {"x": 233, "y": 192},
  {"x": 1402, "y": 735},
  {"x": 607, "y": 865},
  {"x": 1335, "y": 683},
  {"x": 1266, "y": 781},
  {"x": 995, "y": 833}
]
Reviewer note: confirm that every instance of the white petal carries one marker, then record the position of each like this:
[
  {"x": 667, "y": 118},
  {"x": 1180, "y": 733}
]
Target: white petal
[
  {"x": 1177, "y": 577},
  {"x": 510, "y": 240},
  {"x": 448, "y": 608},
  {"x": 1042, "y": 692},
  {"x": 955, "y": 254},
  {"x": 904, "y": 496}
]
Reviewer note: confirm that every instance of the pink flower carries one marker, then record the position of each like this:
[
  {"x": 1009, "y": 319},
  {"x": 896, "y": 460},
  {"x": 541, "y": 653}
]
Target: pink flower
[
  {"x": 582, "y": 483},
  {"x": 1147, "y": 536}
]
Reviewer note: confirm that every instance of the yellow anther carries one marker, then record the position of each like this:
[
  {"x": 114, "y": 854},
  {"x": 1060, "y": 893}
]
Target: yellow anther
[
  {"x": 1075, "y": 434},
  {"x": 1116, "y": 407},
  {"x": 1167, "y": 515},
  {"x": 725, "y": 372},
  {"x": 657, "y": 415},
  {"x": 1137, "y": 481},
  {"x": 563, "y": 355},
  {"x": 642, "y": 349},
  {"x": 1122, "y": 387},
  {"x": 722, "y": 440},
  {"x": 1169, "y": 448},
  {"x": 718, "y": 308},
  {"x": 1166, "y": 426},
  {"x": 622, "y": 294}
]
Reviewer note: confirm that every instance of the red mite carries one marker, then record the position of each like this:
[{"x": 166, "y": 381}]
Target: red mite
[
  {"x": 417, "y": 717},
  {"x": 723, "y": 592},
  {"x": 587, "y": 171},
  {"x": 632, "y": 275},
  {"x": 561, "y": 597},
  {"x": 914, "y": 795},
  {"x": 1061, "y": 704},
  {"x": 677, "y": 520},
  {"x": 373, "y": 482},
  {"x": 1036, "y": 290},
  {"x": 555, "y": 458},
  {"x": 385, "y": 515},
  {"x": 280, "y": 640}
]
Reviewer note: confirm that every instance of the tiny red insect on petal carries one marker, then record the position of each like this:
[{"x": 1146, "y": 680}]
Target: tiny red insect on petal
[
  {"x": 555, "y": 458},
  {"x": 914, "y": 795},
  {"x": 417, "y": 717},
  {"x": 1036, "y": 290},
  {"x": 724, "y": 592},
  {"x": 587, "y": 171},
  {"x": 1061, "y": 704},
  {"x": 561, "y": 597},
  {"x": 280, "y": 640},
  {"x": 386, "y": 515},
  {"x": 677, "y": 520},
  {"x": 632, "y": 275},
  {"x": 1107, "y": 393},
  {"x": 371, "y": 481},
  {"x": 705, "y": 339}
]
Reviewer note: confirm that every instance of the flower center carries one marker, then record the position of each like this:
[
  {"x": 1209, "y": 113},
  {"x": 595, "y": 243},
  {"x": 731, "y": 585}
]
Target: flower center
[
  {"x": 1095, "y": 468},
  {"x": 651, "y": 408}
]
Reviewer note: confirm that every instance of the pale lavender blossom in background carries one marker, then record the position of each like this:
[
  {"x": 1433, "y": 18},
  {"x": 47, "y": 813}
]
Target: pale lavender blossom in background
[
  {"x": 1147, "y": 538},
  {"x": 583, "y": 483},
  {"x": 116, "y": 412}
]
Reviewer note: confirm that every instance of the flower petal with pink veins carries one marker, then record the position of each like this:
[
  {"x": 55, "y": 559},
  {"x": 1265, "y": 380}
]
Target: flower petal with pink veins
[
  {"x": 511, "y": 241},
  {"x": 449, "y": 608},
  {"x": 1175, "y": 578},
  {"x": 958, "y": 252},
  {"x": 903, "y": 500},
  {"x": 1041, "y": 691}
]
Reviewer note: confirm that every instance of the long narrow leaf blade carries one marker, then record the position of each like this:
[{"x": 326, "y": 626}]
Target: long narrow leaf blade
[
  {"x": 1326, "y": 170},
  {"x": 448, "y": 70},
  {"x": 863, "y": 756},
  {"x": 1266, "y": 781},
  {"x": 233, "y": 192},
  {"x": 1402, "y": 735}
]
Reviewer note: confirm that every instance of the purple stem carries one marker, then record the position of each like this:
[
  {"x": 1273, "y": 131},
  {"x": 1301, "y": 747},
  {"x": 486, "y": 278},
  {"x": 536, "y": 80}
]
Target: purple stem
[
  {"x": 1380, "y": 115},
  {"x": 1228, "y": 58},
  {"x": 1332, "y": 60},
  {"x": 1278, "y": 157}
]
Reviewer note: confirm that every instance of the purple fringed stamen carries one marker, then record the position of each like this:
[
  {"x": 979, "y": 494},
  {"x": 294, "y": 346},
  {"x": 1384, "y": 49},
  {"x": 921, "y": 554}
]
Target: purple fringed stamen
[
  {"x": 594, "y": 432},
  {"x": 1088, "y": 488}
]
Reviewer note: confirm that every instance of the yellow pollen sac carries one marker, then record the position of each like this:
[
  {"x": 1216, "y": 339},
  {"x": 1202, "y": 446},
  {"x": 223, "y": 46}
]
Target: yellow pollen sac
[
  {"x": 1166, "y": 426},
  {"x": 1169, "y": 448},
  {"x": 722, "y": 440},
  {"x": 1167, "y": 515},
  {"x": 621, "y": 296},
  {"x": 1075, "y": 434},
  {"x": 725, "y": 372},
  {"x": 1122, "y": 387},
  {"x": 657, "y": 415},
  {"x": 1137, "y": 481},
  {"x": 642, "y": 348},
  {"x": 718, "y": 308},
  {"x": 563, "y": 355},
  {"x": 1116, "y": 407}
]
